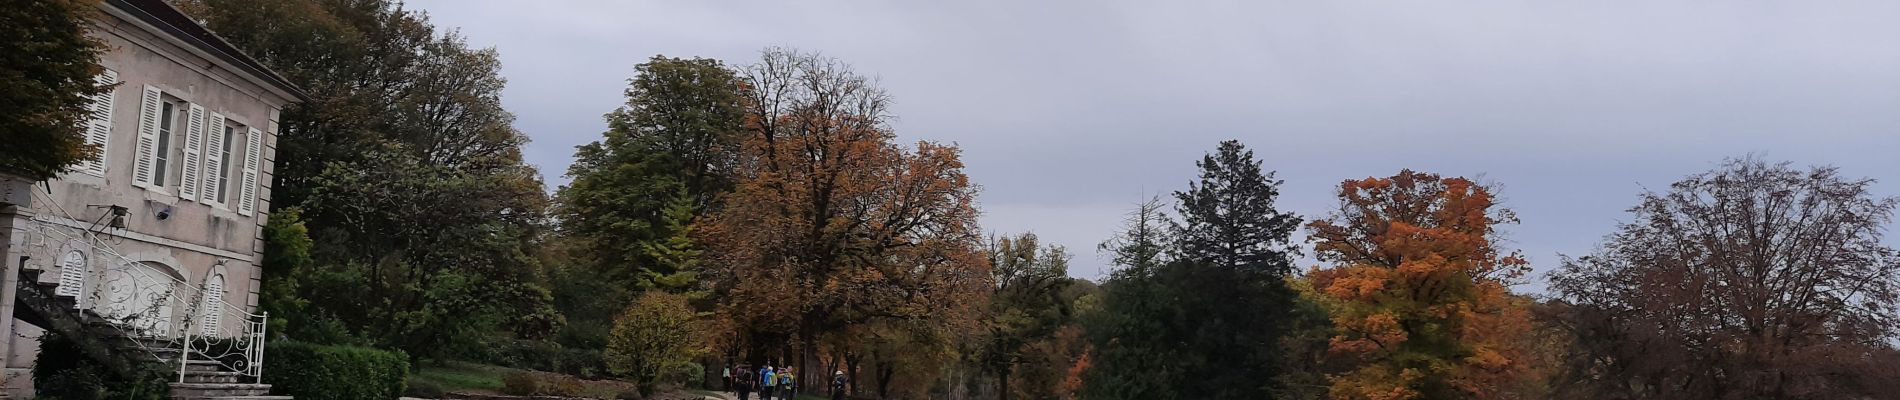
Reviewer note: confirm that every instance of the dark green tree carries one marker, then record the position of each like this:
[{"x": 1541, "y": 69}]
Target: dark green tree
[
  {"x": 424, "y": 221},
  {"x": 1208, "y": 323},
  {"x": 1127, "y": 329},
  {"x": 47, "y": 85},
  {"x": 1233, "y": 252}
]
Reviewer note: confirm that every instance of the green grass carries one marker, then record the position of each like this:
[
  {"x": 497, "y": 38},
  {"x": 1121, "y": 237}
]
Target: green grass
[{"x": 462, "y": 376}]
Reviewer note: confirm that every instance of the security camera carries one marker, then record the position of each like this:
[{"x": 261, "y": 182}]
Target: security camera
[{"x": 165, "y": 213}]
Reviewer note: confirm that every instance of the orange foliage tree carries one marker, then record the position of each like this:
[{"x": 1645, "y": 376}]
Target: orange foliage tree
[
  {"x": 831, "y": 223},
  {"x": 1418, "y": 291}
]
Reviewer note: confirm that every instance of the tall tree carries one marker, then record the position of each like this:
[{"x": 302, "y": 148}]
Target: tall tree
[
  {"x": 677, "y": 136},
  {"x": 1755, "y": 280},
  {"x": 1418, "y": 290},
  {"x": 1130, "y": 356},
  {"x": 665, "y": 158},
  {"x": 1234, "y": 251},
  {"x": 424, "y": 219},
  {"x": 1208, "y": 323},
  {"x": 832, "y": 224},
  {"x": 48, "y": 67},
  {"x": 1026, "y": 306}
]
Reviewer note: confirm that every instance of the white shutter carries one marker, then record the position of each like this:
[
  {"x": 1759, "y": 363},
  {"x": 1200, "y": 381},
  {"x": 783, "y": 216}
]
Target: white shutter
[
  {"x": 247, "y": 195},
  {"x": 212, "y": 308},
  {"x": 98, "y": 127},
  {"x": 213, "y": 158},
  {"x": 72, "y": 275},
  {"x": 147, "y": 157},
  {"x": 194, "y": 148}
]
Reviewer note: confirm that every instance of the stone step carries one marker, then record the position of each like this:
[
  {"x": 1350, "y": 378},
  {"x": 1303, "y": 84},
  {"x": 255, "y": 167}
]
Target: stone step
[
  {"x": 196, "y": 365},
  {"x": 212, "y": 377},
  {"x": 184, "y": 390}
]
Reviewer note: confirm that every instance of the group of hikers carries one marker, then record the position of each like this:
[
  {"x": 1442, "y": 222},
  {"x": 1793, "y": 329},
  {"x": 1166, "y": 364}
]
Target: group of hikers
[{"x": 769, "y": 383}]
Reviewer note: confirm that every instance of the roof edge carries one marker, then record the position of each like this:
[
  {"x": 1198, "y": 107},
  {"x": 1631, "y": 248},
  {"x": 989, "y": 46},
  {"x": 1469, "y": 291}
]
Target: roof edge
[{"x": 168, "y": 20}]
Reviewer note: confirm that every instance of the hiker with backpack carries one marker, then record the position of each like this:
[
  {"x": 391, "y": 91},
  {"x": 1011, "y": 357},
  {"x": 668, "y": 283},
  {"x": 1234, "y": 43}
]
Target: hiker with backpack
[
  {"x": 765, "y": 385},
  {"x": 743, "y": 381},
  {"x": 837, "y": 385},
  {"x": 786, "y": 379}
]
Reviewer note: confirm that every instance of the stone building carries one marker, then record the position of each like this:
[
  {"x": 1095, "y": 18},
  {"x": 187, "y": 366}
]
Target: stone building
[{"x": 153, "y": 245}]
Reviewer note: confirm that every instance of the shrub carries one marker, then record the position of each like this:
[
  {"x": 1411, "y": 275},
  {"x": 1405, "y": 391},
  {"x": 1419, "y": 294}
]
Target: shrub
[
  {"x": 319, "y": 372},
  {"x": 654, "y": 339},
  {"x": 529, "y": 383},
  {"x": 545, "y": 356},
  {"x": 62, "y": 372}
]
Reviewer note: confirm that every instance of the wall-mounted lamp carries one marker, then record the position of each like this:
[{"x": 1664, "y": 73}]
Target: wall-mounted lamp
[{"x": 118, "y": 217}]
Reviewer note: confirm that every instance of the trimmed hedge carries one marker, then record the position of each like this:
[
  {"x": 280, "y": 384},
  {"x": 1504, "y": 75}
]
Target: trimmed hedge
[{"x": 320, "y": 372}]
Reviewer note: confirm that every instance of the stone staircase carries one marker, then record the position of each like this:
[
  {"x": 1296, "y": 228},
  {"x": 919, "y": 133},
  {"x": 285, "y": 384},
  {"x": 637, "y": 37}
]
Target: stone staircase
[{"x": 127, "y": 355}]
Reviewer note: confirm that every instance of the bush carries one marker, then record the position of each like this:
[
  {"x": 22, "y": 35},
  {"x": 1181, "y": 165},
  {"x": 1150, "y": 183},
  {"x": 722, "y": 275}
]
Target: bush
[
  {"x": 319, "y": 372},
  {"x": 546, "y": 356},
  {"x": 529, "y": 383},
  {"x": 62, "y": 372},
  {"x": 654, "y": 340}
]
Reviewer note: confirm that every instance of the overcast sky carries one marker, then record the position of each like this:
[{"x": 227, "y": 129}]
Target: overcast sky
[{"x": 1071, "y": 112}]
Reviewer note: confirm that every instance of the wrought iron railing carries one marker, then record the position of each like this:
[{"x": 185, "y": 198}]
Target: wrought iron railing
[{"x": 161, "y": 312}]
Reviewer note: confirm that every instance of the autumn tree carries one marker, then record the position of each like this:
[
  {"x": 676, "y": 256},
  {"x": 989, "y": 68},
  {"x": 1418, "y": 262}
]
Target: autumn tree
[
  {"x": 1418, "y": 290},
  {"x": 831, "y": 224},
  {"x": 1755, "y": 280},
  {"x": 48, "y": 85}
]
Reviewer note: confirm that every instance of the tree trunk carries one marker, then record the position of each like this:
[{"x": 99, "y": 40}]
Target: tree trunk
[
  {"x": 851, "y": 373},
  {"x": 1002, "y": 384},
  {"x": 884, "y": 373}
]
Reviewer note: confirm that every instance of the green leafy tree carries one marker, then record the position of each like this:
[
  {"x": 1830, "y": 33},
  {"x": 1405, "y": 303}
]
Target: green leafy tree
[
  {"x": 424, "y": 221},
  {"x": 47, "y": 85},
  {"x": 664, "y": 160},
  {"x": 1026, "y": 305}
]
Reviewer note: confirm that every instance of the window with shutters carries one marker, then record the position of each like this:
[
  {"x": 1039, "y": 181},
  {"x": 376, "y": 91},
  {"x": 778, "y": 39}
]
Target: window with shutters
[
  {"x": 72, "y": 275},
  {"x": 167, "y": 117},
  {"x": 211, "y": 311},
  {"x": 231, "y": 137}
]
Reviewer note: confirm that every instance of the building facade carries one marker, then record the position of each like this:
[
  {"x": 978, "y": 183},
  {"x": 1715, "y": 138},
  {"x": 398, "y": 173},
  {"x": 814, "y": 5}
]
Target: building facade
[{"x": 162, "y": 232}]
